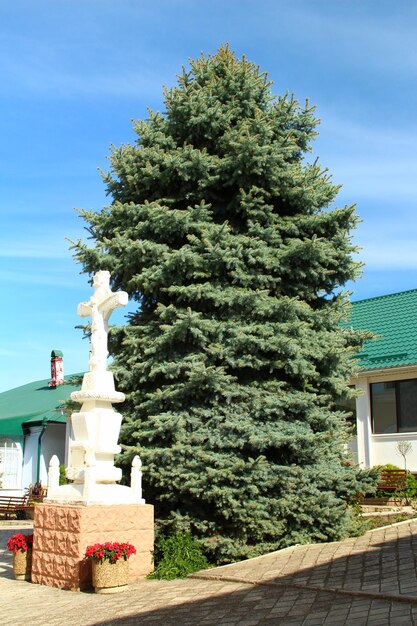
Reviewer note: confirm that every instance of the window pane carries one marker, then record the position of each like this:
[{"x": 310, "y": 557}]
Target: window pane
[
  {"x": 384, "y": 414},
  {"x": 407, "y": 390},
  {"x": 9, "y": 464}
]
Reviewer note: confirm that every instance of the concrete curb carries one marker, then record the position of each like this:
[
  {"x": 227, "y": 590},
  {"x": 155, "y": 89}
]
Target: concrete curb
[
  {"x": 261, "y": 556},
  {"x": 10, "y": 524},
  {"x": 306, "y": 545},
  {"x": 336, "y": 590},
  {"x": 405, "y": 521}
]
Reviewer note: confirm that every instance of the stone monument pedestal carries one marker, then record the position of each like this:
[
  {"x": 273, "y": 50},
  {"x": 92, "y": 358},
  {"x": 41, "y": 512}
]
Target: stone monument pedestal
[
  {"x": 62, "y": 533},
  {"x": 92, "y": 508}
]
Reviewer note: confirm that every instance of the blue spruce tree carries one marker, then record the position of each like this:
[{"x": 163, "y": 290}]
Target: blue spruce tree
[{"x": 234, "y": 360}]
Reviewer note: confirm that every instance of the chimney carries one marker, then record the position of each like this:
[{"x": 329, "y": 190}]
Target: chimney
[{"x": 57, "y": 369}]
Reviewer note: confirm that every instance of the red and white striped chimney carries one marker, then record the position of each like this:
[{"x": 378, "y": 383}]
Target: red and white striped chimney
[{"x": 57, "y": 369}]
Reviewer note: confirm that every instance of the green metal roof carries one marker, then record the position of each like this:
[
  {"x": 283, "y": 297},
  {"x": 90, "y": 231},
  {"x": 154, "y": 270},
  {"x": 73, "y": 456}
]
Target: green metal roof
[
  {"x": 393, "y": 318},
  {"x": 32, "y": 404}
]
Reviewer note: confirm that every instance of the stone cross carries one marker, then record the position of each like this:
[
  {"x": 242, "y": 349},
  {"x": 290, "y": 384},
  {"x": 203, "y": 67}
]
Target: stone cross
[{"x": 100, "y": 306}]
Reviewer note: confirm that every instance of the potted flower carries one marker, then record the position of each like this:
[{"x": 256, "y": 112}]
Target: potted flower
[
  {"x": 110, "y": 566},
  {"x": 21, "y": 546}
]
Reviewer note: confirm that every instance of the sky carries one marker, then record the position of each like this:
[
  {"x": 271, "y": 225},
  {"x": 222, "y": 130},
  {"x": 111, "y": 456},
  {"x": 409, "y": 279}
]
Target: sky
[{"x": 73, "y": 75}]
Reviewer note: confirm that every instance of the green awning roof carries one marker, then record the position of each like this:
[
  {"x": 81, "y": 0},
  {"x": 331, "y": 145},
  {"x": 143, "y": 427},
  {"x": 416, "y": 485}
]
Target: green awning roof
[
  {"x": 393, "y": 319},
  {"x": 32, "y": 404}
]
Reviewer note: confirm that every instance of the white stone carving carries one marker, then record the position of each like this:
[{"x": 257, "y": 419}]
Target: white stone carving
[
  {"x": 100, "y": 306},
  {"x": 53, "y": 474},
  {"x": 95, "y": 428},
  {"x": 136, "y": 478}
]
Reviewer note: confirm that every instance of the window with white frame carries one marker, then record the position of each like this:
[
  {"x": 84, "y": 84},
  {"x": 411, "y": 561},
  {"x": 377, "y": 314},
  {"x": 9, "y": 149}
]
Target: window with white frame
[
  {"x": 394, "y": 406},
  {"x": 9, "y": 464}
]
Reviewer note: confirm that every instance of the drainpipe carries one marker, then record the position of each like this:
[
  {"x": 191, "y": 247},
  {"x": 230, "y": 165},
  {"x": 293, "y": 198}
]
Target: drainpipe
[{"x": 38, "y": 469}]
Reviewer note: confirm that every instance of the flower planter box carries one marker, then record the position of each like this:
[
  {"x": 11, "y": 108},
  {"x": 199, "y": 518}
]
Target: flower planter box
[
  {"x": 110, "y": 577},
  {"x": 22, "y": 564},
  {"x": 21, "y": 546}
]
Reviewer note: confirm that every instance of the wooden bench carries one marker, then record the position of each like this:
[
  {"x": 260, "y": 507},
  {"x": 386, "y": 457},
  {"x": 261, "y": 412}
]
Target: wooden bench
[
  {"x": 9, "y": 505},
  {"x": 394, "y": 483},
  {"x": 392, "y": 480}
]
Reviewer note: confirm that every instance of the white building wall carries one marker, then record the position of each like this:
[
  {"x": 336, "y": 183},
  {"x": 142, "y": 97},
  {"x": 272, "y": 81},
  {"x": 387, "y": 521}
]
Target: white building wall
[
  {"x": 69, "y": 437},
  {"x": 363, "y": 424},
  {"x": 53, "y": 442},
  {"x": 30, "y": 456},
  {"x": 352, "y": 449},
  {"x": 382, "y": 448}
]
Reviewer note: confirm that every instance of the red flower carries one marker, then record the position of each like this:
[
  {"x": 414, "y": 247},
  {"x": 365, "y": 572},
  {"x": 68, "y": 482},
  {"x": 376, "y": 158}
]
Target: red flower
[
  {"x": 20, "y": 542},
  {"x": 109, "y": 551}
]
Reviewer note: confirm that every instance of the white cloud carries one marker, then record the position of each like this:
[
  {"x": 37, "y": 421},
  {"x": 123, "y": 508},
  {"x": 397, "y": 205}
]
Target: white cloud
[
  {"x": 40, "y": 240},
  {"x": 59, "y": 68},
  {"x": 378, "y": 39},
  {"x": 389, "y": 244},
  {"x": 390, "y": 255},
  {"x": 369, "y": 161},
  {"x": 365, "y": 136},
  {"x": 24, "y": 249},
  {"x": 46, "y": 279},
  {"x": 383, "y": 180}
]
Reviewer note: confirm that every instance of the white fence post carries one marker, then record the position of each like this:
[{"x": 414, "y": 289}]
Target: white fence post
[
  {"x": 53, "y": 474},
  {"x": 136, "y": 479}
]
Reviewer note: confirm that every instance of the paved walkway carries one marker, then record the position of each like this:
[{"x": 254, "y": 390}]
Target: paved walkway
[{"x": 370, "y": 580}]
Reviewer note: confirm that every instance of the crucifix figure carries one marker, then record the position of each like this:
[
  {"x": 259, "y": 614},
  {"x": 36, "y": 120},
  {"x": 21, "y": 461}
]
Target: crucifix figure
[{"x": 100, "y": 306}]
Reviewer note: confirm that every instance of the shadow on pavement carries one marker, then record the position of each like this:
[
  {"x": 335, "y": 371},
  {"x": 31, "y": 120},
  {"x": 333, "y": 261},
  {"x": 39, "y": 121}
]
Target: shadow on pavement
[
  {"x": 368, "y": 583},
  {"x": 257, "y": 606},
  {"x": 288, "y": 588}
]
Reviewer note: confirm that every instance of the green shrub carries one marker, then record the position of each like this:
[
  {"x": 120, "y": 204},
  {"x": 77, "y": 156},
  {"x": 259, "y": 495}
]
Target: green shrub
[
  {"x": 411, "y": 491},
  {"x": 358, "y": 525},
  {"x": 411, "y": 485},
  {"x": 177, "y": 556},
  {"x": 62, "y": 477}
]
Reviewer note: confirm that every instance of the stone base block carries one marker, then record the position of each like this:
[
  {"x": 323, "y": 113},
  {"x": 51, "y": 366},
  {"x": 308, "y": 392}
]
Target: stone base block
[{"x": 63, "y": 532}]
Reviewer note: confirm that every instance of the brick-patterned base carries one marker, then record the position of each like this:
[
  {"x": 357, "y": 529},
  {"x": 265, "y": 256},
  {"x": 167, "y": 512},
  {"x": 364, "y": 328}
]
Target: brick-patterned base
[{"x": 62, "y": 533}]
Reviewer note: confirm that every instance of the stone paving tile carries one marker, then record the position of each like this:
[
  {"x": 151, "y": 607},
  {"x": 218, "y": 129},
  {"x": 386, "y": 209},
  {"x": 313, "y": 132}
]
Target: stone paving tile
[
  {"x": 382, "y": 560},
  {"x": 388, "y": 555}
]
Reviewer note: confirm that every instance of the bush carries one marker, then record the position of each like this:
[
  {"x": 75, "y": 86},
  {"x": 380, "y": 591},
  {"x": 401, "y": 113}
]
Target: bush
[
  {"x": 177, "y": 556},
  {"x": 62, "y": 477},
  {"x": 411, "y": 491},
  {"x": 358, "y": 525},
  {"x": 411, "y": 485}
]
